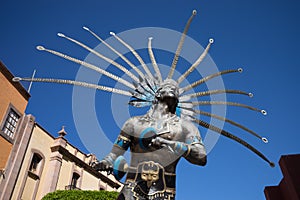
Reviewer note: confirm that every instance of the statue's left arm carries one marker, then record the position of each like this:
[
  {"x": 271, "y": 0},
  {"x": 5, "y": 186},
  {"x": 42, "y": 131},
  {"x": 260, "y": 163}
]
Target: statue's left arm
[
  {"x": 194, "y": 150},
  {"x": 121, "y": 145}
]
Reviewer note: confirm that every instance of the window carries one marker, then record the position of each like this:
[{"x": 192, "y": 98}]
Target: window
[
  {"x": 36, "y": 160},
  {"x": 74, "y": 182},
  {"x": 75, "y": 178},
  {"x": 10, "y": 124}
]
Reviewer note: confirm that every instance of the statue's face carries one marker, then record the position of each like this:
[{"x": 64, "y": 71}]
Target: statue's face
[
  {"x": 168, "y": 89},
  {"x": 168, "y": 93}
]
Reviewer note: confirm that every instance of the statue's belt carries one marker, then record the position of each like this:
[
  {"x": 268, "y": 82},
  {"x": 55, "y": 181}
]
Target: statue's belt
[
  {"x": 170, "y": 179},
  {"x": 150, "y": 180}
]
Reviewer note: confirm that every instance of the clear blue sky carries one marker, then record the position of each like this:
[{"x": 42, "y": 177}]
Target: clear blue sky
[{"x": 260, "y": 36}]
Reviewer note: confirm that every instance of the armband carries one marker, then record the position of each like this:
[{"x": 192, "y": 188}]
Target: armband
[
  {"x": 182, "y": 149},
  {"x": 122, "y": 142},
  {"x": 194, "y": 140}
]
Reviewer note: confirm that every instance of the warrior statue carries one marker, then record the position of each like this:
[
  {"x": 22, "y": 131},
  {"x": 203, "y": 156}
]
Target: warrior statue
[{"x": 158, "y": 139}]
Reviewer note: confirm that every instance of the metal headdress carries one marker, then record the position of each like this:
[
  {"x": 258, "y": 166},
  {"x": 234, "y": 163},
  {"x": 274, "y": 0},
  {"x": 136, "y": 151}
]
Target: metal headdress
[{"x": 144, "y": 87}]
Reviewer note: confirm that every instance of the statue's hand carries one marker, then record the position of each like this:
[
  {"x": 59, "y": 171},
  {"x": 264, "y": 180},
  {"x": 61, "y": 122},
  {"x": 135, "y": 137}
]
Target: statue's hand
[
  {"x": 176, "y": 147},
  {"x": 160, "y": 142},
  {"x": 103, "y": 165}
]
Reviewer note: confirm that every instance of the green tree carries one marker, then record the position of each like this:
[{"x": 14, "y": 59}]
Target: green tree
[{"x": 81, "y": 195}]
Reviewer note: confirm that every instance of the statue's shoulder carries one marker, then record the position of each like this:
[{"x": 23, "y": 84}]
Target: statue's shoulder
[
  {"x": 131, "y": 123},
  {"x": 187, "y": 124},
  {"x": 135, "y": 119},
  {"x": 185, "y": 121}
]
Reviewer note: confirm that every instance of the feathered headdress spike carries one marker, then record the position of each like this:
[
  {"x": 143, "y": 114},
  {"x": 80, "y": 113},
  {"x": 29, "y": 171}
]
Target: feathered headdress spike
[
  {"x": 152, "y": 57},
  {"x": 77, "y": 83},
  {"x": 115, "y": 51},
  {"x": 203, "y": 80},
  {"x": 200, "y": 112},
  {"x": 134, "y": 53},
  {"x": 126, "y": 71},
  {"x": 200, "y": 103},
  {"x": 210, "y": 92},
  {"x": 88, "y": 65},
  {"x": 233, "y": 137},
  {"x": 198, "y": 61},
  {"x": 180, "y": 44}
]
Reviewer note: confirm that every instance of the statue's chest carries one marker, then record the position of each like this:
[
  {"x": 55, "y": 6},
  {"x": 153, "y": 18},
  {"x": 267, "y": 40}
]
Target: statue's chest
[{"x": 169, "y": 129}]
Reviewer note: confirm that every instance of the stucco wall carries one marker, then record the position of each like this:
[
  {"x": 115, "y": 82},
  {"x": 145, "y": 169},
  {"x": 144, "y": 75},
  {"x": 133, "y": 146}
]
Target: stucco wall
[
  {"x": 65, "y": 175},
  {"x": 39, "y": 143},
  {"x": 5, "y": 148}
]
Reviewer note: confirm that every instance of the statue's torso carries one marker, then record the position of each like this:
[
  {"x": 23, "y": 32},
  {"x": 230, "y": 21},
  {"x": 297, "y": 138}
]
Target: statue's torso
[
  {"x": 170, "y": 129},
  {"x": 152, "y": 170}
]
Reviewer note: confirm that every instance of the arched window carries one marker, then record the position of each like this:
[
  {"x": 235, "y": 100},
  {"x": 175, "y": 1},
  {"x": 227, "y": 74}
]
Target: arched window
[
  {"x": 74, "y": 182},
  {"x": 75, "y": 179},
  {"x": 31, "y": 182},
  {"x": 35, "y": 163}
]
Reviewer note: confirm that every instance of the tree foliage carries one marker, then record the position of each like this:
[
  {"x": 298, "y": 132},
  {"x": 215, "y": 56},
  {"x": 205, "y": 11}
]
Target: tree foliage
[{"x": 81, "y": 195}]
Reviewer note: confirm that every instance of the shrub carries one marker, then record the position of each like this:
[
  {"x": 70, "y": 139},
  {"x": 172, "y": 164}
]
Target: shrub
[{"x": 81, "y": 195}]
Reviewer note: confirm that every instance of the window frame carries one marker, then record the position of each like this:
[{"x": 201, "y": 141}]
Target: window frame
[
  {"x": 35, "y": 163},
  {"x": 4, "y": 120},
  {"x": 33, "y": 175},
  {"x": 75, "y": 179},
  {"x": 74, "y": 182},
  {"x": 40, "y": 165}
]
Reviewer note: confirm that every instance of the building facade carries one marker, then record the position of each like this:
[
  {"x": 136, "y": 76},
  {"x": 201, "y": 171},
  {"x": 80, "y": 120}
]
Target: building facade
[
  {"x": 32, "y": 161},
  {"x": 13, "y": 102},
  {"x": 289, "y": 186}
]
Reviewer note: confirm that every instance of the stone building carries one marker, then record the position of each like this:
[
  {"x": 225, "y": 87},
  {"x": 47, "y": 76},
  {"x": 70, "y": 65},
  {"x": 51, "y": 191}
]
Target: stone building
[{"x": 32, "y": 161}]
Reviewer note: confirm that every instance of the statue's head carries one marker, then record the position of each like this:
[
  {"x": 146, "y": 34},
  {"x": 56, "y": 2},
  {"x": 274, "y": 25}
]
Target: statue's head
[{"x": 168, "y": 93}]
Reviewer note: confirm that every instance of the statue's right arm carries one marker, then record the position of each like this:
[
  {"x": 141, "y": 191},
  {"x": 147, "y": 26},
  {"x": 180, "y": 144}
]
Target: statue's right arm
[{"x": 120, "y": 146}]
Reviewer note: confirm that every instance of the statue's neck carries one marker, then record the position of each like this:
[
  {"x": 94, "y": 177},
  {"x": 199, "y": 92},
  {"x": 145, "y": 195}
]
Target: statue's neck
[{"x": 160, "y": 111}]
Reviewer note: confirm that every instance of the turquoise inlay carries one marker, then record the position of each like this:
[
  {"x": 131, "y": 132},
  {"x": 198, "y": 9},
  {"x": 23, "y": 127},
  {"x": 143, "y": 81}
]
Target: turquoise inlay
[
  {"x": 180, "y": 148},
  {"x": 120, "y": 142},
  {"x": 184, "y": 148},
  {"x": 189, "y": 141},
  {"x": 116, "y": 167},
  {"x": 195, "y": 139},
  {"x": 178, "y": 111}
]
